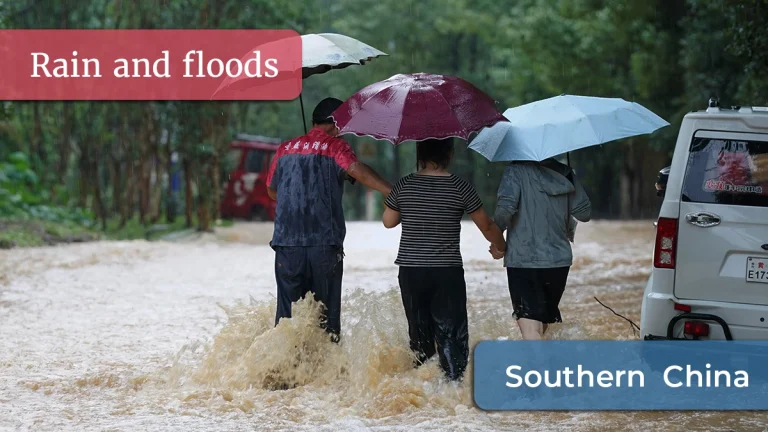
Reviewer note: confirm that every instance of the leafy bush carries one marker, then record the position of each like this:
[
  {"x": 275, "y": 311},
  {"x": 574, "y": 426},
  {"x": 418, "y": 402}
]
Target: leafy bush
[{"x": 22, "y": 198}]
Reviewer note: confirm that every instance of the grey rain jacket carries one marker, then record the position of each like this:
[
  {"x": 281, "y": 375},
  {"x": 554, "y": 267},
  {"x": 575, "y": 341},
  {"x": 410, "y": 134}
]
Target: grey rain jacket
[{"x": 532, "y": 207}]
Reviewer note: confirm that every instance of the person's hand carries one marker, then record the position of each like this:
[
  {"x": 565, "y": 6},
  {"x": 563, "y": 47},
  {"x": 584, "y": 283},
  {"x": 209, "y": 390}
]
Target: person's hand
[{"x": 496, "y": 253}]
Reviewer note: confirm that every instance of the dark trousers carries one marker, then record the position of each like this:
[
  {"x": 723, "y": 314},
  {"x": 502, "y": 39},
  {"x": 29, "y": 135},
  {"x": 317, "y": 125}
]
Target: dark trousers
[
  {"x": 315, "y": 269},
  {"x": 435, "y": 302},
  {"x": 536, "y": 292}
]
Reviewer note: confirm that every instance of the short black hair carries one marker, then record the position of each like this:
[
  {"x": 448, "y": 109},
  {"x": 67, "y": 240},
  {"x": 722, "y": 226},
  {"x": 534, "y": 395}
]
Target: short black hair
[
  {"x": 323, "y": 111},
  {"x": 437, "y": 151}
]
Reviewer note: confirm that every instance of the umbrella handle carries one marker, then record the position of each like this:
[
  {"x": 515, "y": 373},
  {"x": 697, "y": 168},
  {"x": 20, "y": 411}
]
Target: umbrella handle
[
  {"x": 568, "y": 201},
  {"x": 303, "y": 119}
]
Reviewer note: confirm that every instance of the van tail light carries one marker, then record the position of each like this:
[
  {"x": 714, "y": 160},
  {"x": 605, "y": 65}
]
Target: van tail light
[
  {"x": 682, "y": 307},
  {"x": 696, "y": 328},
  {"x": 666, "y": 243}
]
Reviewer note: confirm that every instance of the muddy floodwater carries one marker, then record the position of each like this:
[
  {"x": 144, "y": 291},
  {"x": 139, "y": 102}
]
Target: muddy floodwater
[{"x": 179, "y": 336}]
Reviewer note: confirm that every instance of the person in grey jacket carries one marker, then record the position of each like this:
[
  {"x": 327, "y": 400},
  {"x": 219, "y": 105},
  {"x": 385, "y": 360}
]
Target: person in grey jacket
[{"x": 538, "y": 206}]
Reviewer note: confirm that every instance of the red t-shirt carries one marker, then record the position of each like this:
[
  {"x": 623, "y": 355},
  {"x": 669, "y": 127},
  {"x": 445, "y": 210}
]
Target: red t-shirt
[{"x": 317, "y": 142}]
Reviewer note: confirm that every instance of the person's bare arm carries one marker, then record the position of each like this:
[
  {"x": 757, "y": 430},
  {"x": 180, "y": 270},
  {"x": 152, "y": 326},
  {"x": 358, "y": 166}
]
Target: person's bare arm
[
  {"x": 490, "y": 230},
  {"x": 369, "y": 178},
  {"x": 272, "y": 193},
  {"x": 391, "y": 218}
]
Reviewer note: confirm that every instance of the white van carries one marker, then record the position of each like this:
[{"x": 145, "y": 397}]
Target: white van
[{"x": 710, "y": 260}]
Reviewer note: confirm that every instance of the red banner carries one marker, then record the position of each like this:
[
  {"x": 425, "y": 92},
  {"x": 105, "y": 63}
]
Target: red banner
[{"x": 150, "y": 64}]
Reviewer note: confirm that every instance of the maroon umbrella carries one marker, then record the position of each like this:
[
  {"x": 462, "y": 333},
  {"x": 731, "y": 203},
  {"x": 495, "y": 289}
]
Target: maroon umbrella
[{"x": 417, "y": 107}]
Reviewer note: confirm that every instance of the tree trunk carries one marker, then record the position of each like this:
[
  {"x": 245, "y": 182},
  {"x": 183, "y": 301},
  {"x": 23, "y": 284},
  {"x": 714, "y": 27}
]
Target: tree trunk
[
  {"x": 37, "y": 139},
  {"x": 203, "y": 215},
  {"x": 245, "y": 108},
  {"x": 97, "y": 198},
  {"x": 396, "y": 162},
  {"x": 157, "y": 192},
  {"x": 130, "y": 193},
  {"x": 638, "y": 201},
  {"x": 473, "y": 61},
  {"x": 154, "y": 190},
  {"x": 203, "y": 202},
  {"x": 145, "y": 166},
  {"x": 220, "y": 140},
  {"x": 117, "y": 190},
  {"x": 606, "y": 203},
  {"x": 143, "y": 189},
  {"x": 156, "y": 183},
  {"x": 82, "y": 200},
  {"x": 170, "y": 205},
  {"x": 625, "y": 184},
  {"x": 473, "y": 57},
  {"x": 456, "y": 53},
  {"x": 83, "y": 177},
  {"x": 216, "y": 189},
  {"x": 64, "y": 144},
  {"x": 470, "y": 165},
  {"x": 187, "y": 192},
  {"x": 126, "y": 156}
]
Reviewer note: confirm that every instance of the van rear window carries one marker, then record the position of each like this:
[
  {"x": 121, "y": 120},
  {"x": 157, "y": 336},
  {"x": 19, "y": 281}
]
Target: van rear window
[
  {"x": 232, "y": 160},
  {"x": 730, "y": 172},
  {"x": 254, "y": 161}
]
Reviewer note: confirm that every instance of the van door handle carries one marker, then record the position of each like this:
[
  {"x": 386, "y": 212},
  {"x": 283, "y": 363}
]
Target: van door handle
[{"x": 702, "y": 219}]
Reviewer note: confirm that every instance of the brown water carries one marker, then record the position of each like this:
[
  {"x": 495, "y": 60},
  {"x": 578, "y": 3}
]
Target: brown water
[{"x": 179, "y": 336}]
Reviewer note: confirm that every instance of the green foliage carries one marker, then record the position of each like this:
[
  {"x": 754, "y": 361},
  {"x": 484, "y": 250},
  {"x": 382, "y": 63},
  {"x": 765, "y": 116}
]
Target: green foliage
[
  {"x": 22, "y": 198},
  {"x": 669, "y": 55},
  {"x": 748, "y": 42},
  {"x": 28, "y": 233}
]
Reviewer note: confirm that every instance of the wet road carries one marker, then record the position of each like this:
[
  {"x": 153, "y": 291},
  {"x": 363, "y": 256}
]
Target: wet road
[{"x": 178, "y": 336}]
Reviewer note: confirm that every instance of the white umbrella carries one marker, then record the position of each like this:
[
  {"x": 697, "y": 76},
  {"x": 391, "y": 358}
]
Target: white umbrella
[
  {"x": 325, "y": 51},
  {"x": 319, "y": 53}
]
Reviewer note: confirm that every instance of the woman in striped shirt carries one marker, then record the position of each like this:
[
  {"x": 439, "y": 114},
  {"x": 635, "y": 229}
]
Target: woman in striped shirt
[{"x": 430, "y": 204}]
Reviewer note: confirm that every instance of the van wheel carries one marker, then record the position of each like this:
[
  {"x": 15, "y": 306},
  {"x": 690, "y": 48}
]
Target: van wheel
[{"x": 257, "y": 214}]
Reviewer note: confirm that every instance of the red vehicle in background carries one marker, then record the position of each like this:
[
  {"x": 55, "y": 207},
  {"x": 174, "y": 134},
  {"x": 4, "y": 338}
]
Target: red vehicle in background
[{"x": 245, "y": 192}]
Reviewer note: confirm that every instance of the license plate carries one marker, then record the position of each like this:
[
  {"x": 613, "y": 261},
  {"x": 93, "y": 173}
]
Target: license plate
[{"x": 757, "y": 269}]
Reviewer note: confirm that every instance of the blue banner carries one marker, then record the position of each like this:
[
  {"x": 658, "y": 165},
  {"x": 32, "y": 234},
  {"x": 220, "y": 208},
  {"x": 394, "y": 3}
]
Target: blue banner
[{"x": 621, "y": 375}]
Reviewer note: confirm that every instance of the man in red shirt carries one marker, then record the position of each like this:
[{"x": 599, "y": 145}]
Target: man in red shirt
[{"x": 307, "y": 180}]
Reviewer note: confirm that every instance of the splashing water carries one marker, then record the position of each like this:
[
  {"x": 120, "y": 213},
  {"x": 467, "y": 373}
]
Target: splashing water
[{"x": 130, "y": 336}]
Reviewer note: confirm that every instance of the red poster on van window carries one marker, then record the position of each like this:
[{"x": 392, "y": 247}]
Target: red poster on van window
[
  {"x": 150, "y": 64},
  {"x": 737, "y": 172}
]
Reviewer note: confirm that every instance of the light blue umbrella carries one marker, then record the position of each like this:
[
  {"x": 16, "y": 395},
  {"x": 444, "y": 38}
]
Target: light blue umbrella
[{"x": 561, "y": 124}]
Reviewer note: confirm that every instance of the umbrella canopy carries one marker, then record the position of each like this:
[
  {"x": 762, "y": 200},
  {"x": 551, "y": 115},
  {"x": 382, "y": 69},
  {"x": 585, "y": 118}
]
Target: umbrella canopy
[
  {"x": 417, "y": 107},
  {"x": 325, "y": 51},
  {"x": 319, "y": 54},
  {"x": 558, "y": 125}
]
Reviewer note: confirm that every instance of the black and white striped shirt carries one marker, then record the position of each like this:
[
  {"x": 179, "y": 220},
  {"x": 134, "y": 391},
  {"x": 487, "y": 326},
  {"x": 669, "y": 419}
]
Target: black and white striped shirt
[{"x": 431, "y": 208}]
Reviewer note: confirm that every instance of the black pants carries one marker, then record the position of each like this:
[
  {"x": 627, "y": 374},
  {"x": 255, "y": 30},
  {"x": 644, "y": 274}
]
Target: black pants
[
  {"x": 435, "y": 302},
  {"x": 315, "y": 269},
  {"x": 536, "y": 293}
]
